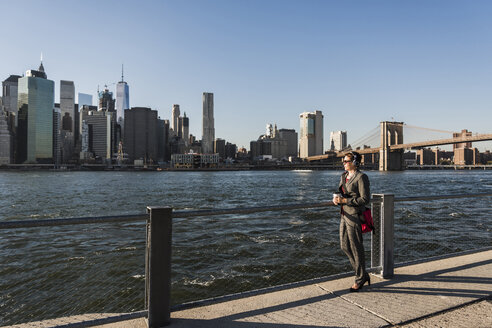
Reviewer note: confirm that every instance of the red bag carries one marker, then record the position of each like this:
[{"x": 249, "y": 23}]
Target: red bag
[{"x": 368, "y": 225}]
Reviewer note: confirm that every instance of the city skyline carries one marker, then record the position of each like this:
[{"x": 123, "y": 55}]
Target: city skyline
[{"x": 426, "y": 64}]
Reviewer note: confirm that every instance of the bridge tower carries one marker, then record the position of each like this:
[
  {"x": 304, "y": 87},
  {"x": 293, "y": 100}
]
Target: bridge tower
[{"x": 391, "y": 134}]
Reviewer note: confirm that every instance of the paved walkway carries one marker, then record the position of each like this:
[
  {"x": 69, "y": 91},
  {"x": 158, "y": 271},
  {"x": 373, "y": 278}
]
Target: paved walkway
[{"x": 454, "y": 292}]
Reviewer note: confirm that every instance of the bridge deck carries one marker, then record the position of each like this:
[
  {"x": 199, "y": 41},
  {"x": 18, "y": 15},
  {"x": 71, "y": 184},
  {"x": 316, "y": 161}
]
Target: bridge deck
[{"x": 417, "y": 296}]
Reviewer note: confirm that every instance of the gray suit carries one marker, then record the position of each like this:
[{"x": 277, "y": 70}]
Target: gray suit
[{"x": 358, "y": 195}]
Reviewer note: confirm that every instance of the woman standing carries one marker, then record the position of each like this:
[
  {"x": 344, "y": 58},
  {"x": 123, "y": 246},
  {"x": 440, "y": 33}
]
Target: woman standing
[{"x": 355, "y": 195}]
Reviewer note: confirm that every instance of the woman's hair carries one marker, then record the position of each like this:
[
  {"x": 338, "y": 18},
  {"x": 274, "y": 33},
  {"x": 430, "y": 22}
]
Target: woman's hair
[{"x": 354, "y": 157}]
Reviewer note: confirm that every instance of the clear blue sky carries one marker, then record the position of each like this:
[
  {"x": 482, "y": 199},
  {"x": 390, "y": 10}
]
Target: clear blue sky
[{"x": 426, "y": 63}]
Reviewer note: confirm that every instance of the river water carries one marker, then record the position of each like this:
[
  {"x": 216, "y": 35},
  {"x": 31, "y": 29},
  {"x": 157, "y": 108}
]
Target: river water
[{"x": 57, "y": 271}]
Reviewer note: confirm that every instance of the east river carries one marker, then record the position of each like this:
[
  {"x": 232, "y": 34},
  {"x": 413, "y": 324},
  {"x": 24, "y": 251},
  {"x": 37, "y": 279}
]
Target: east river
[{"x": 58, "y": 271}]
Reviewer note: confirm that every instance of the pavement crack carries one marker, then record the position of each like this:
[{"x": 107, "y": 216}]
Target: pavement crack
[{"x": 356, "y": 304}]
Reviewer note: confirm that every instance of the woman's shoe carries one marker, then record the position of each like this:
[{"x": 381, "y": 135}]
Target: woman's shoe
[{"x": 361, "y": 284}]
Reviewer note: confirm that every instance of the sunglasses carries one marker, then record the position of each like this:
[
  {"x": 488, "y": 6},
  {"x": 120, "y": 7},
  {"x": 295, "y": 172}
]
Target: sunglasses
[{"x": 345, "y": 162}]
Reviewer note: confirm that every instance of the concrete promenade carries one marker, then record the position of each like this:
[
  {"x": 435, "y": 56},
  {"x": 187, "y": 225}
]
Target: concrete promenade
[{"x": 452, "y": 292}]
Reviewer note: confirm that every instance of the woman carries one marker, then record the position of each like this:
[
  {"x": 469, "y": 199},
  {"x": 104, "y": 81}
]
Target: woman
[{"x": 355, "y": 195}]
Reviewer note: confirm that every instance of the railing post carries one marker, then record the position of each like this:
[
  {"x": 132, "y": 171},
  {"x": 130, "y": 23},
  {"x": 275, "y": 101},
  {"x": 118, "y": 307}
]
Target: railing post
[
  {"x": 158, "y": 266},
  {"x": 384, "y": 205}
]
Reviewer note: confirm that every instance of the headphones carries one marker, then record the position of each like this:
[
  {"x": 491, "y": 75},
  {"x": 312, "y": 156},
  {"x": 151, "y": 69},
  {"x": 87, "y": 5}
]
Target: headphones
[{"x": 357, "y": 158}]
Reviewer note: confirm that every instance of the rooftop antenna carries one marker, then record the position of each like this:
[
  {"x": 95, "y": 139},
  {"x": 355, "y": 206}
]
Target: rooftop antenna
[{"x": 122, "y": 80}]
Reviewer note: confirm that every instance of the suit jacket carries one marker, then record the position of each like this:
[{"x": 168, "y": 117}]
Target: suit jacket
[{"x": 358, "y": 194}]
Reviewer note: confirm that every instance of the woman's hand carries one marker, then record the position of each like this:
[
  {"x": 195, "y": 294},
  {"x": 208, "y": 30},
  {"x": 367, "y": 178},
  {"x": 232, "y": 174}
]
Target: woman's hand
[{"x": 338, "y": 200}]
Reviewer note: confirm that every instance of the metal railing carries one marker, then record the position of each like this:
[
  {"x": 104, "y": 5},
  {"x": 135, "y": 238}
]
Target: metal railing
[{"x": 159, "y": 231}]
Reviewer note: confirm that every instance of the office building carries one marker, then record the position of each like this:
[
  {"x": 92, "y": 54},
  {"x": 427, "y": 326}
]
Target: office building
[
  {"x": 140, "y": 140},
  {"x": 175, "y": 119},
  {"x": 338, "y": 140},
  {"x": 122, "y": 98},
  {"x": 290, "y": 136},
  {"x": 230, "y": 150},
  {"x": 311, "y": 138},
  {"x": 219, "y": 148},
  {"x": 6, "y": 140},
  {"x": 67, "y": 105},
  {"x": 36, "y": 100},
  {"x": 9, "y": 95},
  {"x": 185, "y": 129},
  {"x": 57, "y": 144},
  {"x": 208, "y": 129},
  {"x": 97, "y": 129}
]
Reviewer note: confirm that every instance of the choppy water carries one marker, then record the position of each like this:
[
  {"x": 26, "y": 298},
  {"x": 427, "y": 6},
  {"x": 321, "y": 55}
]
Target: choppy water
[{"x": 57, "y": 271}]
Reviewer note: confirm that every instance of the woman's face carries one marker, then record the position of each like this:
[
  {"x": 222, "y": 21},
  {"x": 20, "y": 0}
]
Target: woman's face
[{"x": 348, "y": 164}]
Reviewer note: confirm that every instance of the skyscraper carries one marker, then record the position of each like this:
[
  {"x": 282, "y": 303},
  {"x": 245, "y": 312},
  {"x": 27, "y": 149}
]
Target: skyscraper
[
  {"x": 338, "y": 140},
  {"x": 185, "y": 129},
  {"x": 67, "y": 105},
  {"x": 175, "y": 119},
  {"x": 6, "y": 151},
  {"x": 208, "y": 130},
  {"x": 311, "y": 138},
  {"x": 141, "y": 132},
  {"x": 36, "y": 101},
  {"x": 9, "y": 95},
  {"x": 106, "y": 100},
  {"x": 122, "y": 98}
]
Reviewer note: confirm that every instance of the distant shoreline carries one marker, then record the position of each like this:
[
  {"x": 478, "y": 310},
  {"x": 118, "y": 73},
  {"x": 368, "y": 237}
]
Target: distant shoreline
[{"x": 131, "y": 168}]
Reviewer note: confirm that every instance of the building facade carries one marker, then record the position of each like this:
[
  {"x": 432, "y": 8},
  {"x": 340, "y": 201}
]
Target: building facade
[
  {"x": 122, "y": 99},
  {"x": 311, "y": 134},
  {"x": 175, "y": 119},
  {"x": 290, "y": 136},
  {"x": 97, "y": 129},
  {"x": 208, "y": 129},
  {"x": 6, "y": 142},
  {"x": 9, "y": 95},
  {"x": 338, "y": 140},
  {"x": 141, "y": 131},
  {"x": 36, "y": 100}
]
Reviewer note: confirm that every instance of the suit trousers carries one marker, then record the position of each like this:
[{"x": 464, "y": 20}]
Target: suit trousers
[{"x": 352, "y": 246}]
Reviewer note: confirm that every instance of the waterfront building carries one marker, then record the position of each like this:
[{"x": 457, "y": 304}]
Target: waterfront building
[
  {"x": 338, "y": 140},
  {"x": 311, "y": 138},
  {"x": 230, "y": 150},
  {"x": 140, "y": 139},
  {"x": 219, "y": 148},
  {"x": 175, "y": 119},
  {"x": 6, "y": 140},
  {"x": 463, "y": 152},
  {"x": 290, "y": 136},
  {"x": 36, "y": 100},
  {"x": 9, "y": 95},
  {"x": 97, "y": 129},
  {"x": 162, "y": 139},
  {"x": 122, "y": 98},
  {"x": 193, "y": 160},
  {"x": 277, "y": 144},
  {"x": 208, "y": 129}
]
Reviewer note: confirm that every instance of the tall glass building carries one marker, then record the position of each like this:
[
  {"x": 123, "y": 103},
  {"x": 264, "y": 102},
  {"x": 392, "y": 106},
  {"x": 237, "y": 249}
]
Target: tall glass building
[
  {"x": 122, "y": 98},
  {"x": 36, "y": 101}
]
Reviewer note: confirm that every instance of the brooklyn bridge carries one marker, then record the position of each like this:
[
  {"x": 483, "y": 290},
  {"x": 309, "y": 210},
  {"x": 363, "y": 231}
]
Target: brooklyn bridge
[{"x": 391, "y": 145}]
